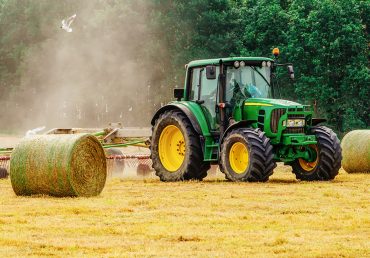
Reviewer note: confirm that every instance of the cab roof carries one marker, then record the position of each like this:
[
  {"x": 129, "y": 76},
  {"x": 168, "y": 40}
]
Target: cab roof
[{"x": 216, "y": 61}]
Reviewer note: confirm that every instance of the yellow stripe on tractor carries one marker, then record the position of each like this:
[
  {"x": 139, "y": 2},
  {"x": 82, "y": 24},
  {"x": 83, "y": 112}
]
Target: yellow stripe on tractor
[{"x": 257, "y": 104}]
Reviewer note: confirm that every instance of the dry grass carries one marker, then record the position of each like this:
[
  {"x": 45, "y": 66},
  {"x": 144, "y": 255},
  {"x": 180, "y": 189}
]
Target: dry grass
[{"x": 214, "y": 218}]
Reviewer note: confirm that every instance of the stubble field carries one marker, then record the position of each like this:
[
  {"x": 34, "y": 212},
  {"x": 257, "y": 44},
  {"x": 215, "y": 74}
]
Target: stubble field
[{"x": 213, "y": 218}]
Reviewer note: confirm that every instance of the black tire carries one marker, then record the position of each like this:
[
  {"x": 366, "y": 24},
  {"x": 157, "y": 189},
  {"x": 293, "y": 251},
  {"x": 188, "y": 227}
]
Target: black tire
[
  {"x": 329, "y": 157},
  {"x": 3, "y": 173},
  {"x": 261, "y": 158},
  {"x": 192, "y": 166},
  {"x": 203, "y": 171}
]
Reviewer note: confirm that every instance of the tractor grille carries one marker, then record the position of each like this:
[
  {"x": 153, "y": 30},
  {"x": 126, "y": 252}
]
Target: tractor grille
[
  {"x": 295, "y": 129},
  {"x": 275, "y": 117}
]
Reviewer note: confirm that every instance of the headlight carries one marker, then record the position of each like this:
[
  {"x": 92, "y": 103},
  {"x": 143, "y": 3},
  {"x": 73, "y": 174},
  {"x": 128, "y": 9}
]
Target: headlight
[
  {"x": 290, "y": 123},
  {"x": 299, "y": 123},
  {"x": 268, "y": 64},
  {"x": 295, "y": 123},
  {"x": 242, "y": 64},
  {"x": 264, "y": 64},
  {"x": 236, "y": 64}
]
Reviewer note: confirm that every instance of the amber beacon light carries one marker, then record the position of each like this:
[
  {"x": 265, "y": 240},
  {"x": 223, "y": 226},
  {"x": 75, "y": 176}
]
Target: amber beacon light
[{"x": 276, "y": 52}]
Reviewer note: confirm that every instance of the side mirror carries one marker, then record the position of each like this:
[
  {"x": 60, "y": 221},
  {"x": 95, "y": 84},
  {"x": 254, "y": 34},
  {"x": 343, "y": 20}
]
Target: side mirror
[
  {"x": 178, "y": 94},
  {"x": 291, "y": 71},
  {"x": 211, "y": 72}
]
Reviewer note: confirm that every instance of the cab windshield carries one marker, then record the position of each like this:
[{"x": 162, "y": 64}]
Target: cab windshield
[{"x": 247, "y": 82}]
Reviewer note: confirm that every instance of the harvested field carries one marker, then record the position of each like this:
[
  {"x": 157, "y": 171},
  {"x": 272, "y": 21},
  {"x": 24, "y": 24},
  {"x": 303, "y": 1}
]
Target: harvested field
[{"x": 216, "y": 218}]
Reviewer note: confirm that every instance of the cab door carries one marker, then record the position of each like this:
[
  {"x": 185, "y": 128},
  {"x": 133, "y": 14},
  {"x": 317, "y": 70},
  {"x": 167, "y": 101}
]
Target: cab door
[{"x": 204, "y": 92}]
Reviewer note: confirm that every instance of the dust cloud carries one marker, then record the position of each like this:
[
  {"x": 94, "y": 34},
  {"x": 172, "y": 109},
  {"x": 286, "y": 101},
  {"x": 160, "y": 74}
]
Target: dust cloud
[{"x": 106, "y": 70}]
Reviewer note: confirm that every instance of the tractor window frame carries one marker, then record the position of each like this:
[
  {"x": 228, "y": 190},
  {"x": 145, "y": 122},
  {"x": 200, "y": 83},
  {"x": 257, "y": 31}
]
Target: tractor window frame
[{"x": 191, "y": 87}]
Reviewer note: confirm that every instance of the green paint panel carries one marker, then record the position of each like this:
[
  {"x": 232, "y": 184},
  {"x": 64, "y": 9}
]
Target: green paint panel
[
  {"x": 259, "y": 111},
  {"x": 196, "y": 109}
]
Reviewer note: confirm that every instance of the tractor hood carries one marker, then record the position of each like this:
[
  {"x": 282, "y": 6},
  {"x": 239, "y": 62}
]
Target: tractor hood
[
  {"x": 272, "y": 102},
  {"x": 272, "y": 117}
]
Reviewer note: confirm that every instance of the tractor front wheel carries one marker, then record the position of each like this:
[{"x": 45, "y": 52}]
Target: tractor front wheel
[
  {"x": 176, "y": 150},
  {"x": 328, "y": 159},
  {"x": 246, "y": 155}
]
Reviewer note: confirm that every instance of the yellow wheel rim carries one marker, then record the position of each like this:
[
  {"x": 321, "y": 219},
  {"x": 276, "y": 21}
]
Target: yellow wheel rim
[
  {"x": 239, "y": 157},
  {"x": 171, "y": 148},
  {"x": 309, "y": 166}
]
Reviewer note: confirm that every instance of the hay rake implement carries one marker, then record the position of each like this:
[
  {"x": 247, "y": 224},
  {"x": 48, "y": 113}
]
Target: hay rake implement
[{"x": 113, "y": 139}]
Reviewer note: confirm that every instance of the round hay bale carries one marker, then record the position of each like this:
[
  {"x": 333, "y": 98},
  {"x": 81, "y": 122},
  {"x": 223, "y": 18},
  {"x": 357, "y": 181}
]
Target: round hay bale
[
  {"x": 58, "y": 165},
  {"x": 356, "y": 151}
]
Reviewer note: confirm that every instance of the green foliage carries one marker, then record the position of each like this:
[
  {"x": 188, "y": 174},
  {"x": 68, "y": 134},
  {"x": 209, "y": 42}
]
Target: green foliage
[
  {"x": 198, "y": 29},
  {"x": 328, "y": 44},
  {"x": 265, "y": 27}
]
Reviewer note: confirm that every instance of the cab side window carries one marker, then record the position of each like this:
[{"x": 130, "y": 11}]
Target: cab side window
[
  {"x": 208, "y": 93},
  {"x": 194, "y": 84}
]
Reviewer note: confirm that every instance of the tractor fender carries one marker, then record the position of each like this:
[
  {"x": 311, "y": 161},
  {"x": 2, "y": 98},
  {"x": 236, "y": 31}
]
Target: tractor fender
[
  {"x": 182, "y": 108},
  {"x": 316, "y": 121},
  {"x": 239, "y": 124}
]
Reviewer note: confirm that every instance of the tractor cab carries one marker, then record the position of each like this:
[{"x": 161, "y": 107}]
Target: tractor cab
[{"x": 241, "y": 78}]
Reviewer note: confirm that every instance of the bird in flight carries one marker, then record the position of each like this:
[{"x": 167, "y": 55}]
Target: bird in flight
[
  {"x": 34, "y": 131},
  {"x": 66, "y": 23}
]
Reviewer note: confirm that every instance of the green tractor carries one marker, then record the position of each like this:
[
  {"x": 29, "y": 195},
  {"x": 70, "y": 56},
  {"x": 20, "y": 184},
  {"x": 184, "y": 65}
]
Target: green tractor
[{"x": 227, "y": 115}]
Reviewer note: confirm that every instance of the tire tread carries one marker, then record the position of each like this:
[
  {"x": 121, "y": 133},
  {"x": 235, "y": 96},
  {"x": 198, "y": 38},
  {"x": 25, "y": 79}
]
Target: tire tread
[
  {"x": 330, "y": 157},
  {"x": 261, "y": 155}
]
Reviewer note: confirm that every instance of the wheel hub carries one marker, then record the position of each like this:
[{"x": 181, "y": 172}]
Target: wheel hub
[
  {"x": 172, "y": 148},
  {"x": 239, "y": 157},
  {"x": 306, "y": 165},
  {"x": 181, "y": 148}
]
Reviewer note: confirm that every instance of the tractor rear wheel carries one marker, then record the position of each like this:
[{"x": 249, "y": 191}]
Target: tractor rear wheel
[
  {"x": 246, "y": 155},
  {"x": 328, "y": 157},
  {"x": 176, "y": 151}
]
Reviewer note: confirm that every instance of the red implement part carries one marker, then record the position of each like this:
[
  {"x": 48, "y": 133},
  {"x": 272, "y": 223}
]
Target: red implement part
[{"x": 4, "y": 166}]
